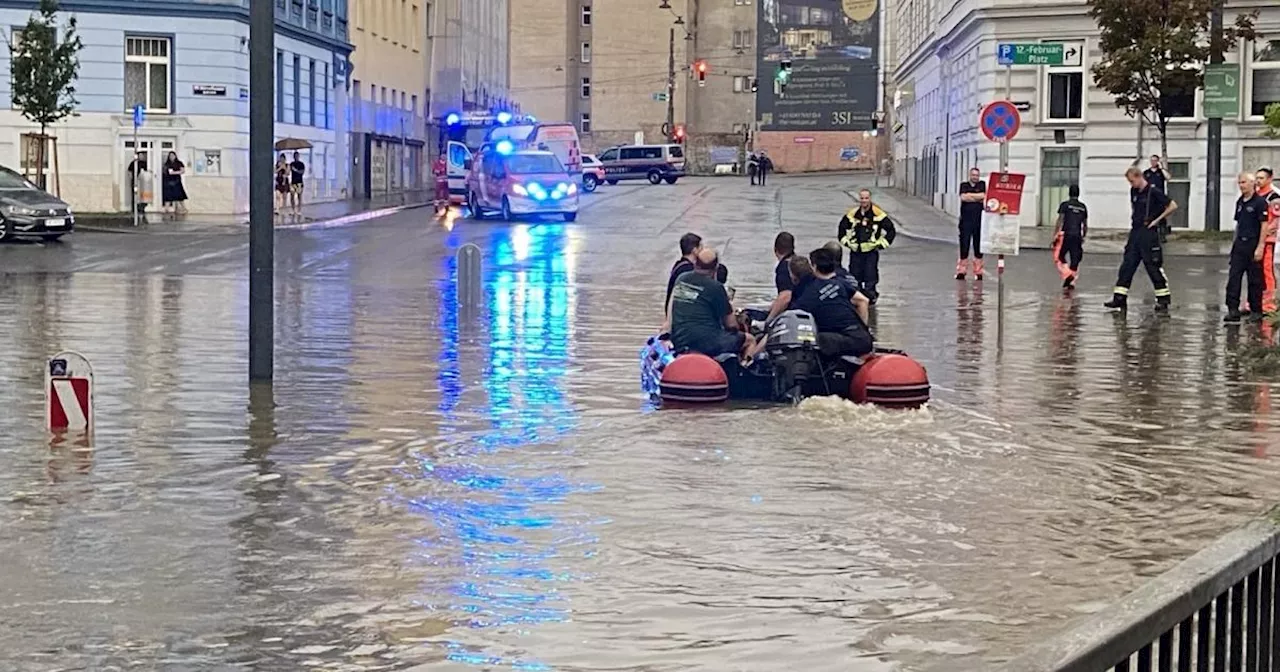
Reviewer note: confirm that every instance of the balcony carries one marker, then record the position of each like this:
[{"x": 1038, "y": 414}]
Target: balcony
[{"x": 369, "y": 117}]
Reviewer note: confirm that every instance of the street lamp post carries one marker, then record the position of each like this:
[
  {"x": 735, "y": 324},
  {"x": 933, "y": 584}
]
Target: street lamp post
[
  {"x": 671, "y": 86},
  {"x": 262, "y": 48}
]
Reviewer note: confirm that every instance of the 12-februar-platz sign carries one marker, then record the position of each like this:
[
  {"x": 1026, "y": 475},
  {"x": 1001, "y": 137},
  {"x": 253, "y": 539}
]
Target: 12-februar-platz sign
[
  {"x": 1221, "y": 91},
  {"x": 1032, "y": 53},
  {"x": 833, "y": 47}
]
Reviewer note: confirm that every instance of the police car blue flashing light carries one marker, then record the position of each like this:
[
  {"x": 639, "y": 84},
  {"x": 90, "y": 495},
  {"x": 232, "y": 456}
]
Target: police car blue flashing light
[
  {"x": 504, "y": 147},
  {"x": 453, "y": 119},
  {"x": 504, "y": 117}
]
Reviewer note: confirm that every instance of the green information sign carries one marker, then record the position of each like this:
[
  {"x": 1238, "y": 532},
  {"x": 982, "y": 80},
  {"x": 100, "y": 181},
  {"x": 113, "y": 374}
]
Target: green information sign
[
  {"x": 1221, "y": 91},
  {"x": 1033, "y": 53}
]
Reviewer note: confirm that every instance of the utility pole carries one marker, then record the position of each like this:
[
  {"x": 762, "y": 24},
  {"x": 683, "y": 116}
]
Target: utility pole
[
  {"x": 262, "y": 47},
  {"x": 671, "y": 86},
  {"x": 1213, "y": 158}
]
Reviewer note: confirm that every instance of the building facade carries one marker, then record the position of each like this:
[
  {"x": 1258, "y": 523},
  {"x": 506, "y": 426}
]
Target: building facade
[
  {"x": 187, "y": 64},
  {"x": 1071, "y": 132},
  {"x": 390, "y": 84},
  {"x": 470, "y": 56}
]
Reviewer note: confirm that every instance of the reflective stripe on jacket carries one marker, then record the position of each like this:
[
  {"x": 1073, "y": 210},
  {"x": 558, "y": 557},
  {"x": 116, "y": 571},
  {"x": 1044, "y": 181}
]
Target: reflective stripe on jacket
[{"x": 870, "y": 231}]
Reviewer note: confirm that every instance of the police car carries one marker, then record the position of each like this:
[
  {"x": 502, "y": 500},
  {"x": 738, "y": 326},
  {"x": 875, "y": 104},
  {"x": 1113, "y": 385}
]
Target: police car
[{"x": 656, "y": 163}]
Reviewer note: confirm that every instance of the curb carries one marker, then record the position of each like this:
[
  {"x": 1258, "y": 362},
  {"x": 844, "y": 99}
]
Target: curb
[{"x": 238, "y": 227}]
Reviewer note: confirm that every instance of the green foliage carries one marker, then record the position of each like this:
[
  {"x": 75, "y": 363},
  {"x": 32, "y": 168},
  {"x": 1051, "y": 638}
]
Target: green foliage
[
  {"x": 44, "y": 68},
  {"x": 1260, "y": 359},
  {"x": 1153, "y": 49},
  {"x": 1272, "y": 117}
]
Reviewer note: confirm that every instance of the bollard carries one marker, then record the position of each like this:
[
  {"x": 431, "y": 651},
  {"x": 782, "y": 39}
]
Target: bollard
[
  {"x": 68, "y": 385},
  {"x": 470, "y": 279}
]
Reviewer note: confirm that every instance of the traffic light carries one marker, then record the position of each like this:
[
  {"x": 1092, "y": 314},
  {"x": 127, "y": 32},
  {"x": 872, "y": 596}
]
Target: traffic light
[
  {"x": 782, "y": 77},
  {"x": 701, "y": 67},
  {"x": 679, "y": 134},
  {"x": 755, "y": 85}
]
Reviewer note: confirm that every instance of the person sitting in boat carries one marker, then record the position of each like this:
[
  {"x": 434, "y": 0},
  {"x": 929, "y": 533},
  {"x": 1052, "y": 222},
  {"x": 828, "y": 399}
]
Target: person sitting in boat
[
  {"x": 699, "y": 312},
  {"x": 840, "y": 315},
  {"x": 842, "y": 274},
  {"x": 690, "y": 243}
]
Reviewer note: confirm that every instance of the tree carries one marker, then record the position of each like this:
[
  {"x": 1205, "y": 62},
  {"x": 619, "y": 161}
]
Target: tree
[
  {"x": 1153, "y": 52},
  {"x": 43, "y": 71},
  {"x": 1272, "y": 118}
]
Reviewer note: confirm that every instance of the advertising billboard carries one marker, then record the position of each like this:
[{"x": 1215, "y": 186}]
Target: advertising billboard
[{"x": 833, "y": 47}]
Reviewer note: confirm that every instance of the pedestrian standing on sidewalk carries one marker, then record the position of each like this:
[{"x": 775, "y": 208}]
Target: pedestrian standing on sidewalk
[
  {"x": 764, "y": 166},
  {"x": 1157, "y": 175},
  {"x": 1247, "y": 249},
  {"x": 1069, "y": 232},
  {"x": 282, "y": 184},
  {"x": 296, "y": 170},
  {"x": 172, "y": 192},
  {"x": 753, "y": 167},
  {"x": 1150, "y": 207},
  {"x": 972, "y": 196}
]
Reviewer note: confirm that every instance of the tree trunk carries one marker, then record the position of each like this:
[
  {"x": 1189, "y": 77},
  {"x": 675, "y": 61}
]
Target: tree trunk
[
  {"x": 40, "y": 150},
  {"x": 1142, "y": 121},
  {"x": 1164, "y": 143}
]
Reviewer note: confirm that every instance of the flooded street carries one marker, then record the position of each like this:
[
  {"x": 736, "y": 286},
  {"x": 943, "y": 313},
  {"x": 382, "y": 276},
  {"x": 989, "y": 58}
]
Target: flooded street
[{"x": 430, "y": 491}]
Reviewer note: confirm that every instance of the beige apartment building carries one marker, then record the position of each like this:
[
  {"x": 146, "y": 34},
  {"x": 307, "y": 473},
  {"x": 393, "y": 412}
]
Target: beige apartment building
[
  {"x": 470, "y": 56},
  {"x": 604, "y": 65},
  {"x": 390, "y": 79}
]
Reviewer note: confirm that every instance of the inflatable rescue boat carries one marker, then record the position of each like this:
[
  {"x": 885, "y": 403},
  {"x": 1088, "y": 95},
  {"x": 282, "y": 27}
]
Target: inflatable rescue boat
[{"x": 791, "y": 368}]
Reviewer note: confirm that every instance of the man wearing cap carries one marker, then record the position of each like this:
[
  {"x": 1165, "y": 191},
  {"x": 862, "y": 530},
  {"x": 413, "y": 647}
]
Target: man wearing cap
[{"x": 1268, "y": 191}]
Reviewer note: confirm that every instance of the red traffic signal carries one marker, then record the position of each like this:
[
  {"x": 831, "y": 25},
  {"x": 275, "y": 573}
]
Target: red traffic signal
[
  {"x": 701, "y": 68},
  {"x": 679, "y": 134}
]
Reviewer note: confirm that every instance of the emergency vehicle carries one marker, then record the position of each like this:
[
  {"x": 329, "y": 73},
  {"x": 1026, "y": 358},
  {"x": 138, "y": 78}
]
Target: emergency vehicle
[{"x": 463, "y": 135}]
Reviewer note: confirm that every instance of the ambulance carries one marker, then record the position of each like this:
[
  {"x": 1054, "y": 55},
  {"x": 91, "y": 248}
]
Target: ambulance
[{"x": 462, "y": 136}]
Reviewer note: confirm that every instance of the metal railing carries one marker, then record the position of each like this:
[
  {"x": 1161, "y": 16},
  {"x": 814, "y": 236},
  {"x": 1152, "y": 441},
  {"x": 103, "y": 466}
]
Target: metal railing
[{"x": 1216, "y": 611}]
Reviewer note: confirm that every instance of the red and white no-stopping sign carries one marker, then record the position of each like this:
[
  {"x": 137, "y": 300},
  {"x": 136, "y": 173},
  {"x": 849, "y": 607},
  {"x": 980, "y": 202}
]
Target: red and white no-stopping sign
[{"x": 68, "y": 384}]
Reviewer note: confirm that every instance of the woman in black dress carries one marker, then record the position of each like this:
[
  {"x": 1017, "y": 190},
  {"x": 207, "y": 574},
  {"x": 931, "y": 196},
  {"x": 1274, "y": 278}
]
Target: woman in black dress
[
  {"x": 172, "y": 192},
  {"x": 283, "y": 178}
]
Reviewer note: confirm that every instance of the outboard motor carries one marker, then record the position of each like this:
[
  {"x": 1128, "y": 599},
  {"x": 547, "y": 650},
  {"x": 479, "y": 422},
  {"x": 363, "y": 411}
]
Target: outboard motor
[{"x": 793, "y": 351}]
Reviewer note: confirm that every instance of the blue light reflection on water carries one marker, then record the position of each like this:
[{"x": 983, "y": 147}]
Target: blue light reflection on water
[{"x": 501, "y": 521}]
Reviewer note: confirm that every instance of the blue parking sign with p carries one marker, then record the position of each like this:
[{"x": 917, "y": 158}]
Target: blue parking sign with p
[
  {"x": 1004, "y": 54},
  {"x": 137, "y": 115}
]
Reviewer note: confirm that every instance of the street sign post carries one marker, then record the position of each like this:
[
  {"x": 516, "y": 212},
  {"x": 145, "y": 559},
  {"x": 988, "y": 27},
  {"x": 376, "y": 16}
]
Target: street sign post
[
  {"x": 68, "y": 385},
  {"x": 139, "y": 114},
  {"x": 1221, "y": 91},
  {"x": 660, "y": 97},
  {"x": 1033, "y": 53}
]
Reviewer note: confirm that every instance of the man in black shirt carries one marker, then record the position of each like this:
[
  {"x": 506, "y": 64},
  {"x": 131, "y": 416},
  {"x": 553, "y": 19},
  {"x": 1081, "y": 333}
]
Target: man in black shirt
[
  {"x": 784, "y": 247},
  {"x": 1150, "y": 207},
  {"x": 701, "y": 315},
  {"x": 1156, "y": 175},
  {"x": 296, "y": 170},
  {"x": 1070, "y": 230},
  {"x": 690, "y": 243},
  {"x": 1247, "y": 249},
  {"x": 972, "y": 196},
  {"x": 839, "y": 316}
]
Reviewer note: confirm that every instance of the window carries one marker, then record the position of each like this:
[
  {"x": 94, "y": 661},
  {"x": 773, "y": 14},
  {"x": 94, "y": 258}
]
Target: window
[
  {"x": 413, "y": 30},
  {"x": 324, "y": 85},
  {"x": 297, "y": 89},
  {"x": 1178, "y": 104},
  {"x": 311, "y": 84},
  {"x": 586, "y": 87},
  {"x": 586, "y": 52},
  {"x": 609, "y": 155},
  {"x": 584, "y": 123},
  {"x": 1264, "y": 76},
  {"x": 146, "y": 73},
  {"x": 742, "y": 39},
  {"x": 1063, "y": 86},
  {"x": 740, "y": 84},
  {"x": 586, "y": 15},
  {"x": 741, "y": 3},
  {"x": 280, "y": 86}
]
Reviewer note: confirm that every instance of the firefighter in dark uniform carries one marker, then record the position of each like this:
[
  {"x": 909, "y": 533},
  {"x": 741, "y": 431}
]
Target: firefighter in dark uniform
[
  {"x": 1150, "y": 207},
  {"x": 1072, "y": 227},
  {"x": 1247, "y": 249},
  {"x": 865, "y": 230}
]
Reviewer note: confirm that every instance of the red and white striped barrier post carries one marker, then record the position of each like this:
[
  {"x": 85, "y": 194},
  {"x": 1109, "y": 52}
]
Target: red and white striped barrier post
[{"x": 68, "y": 385}]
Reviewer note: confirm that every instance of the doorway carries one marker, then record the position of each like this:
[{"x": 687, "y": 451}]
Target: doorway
[
  {"x": 1059, "y": 169},
  {"x": 155, "y": 149},
  {"x": 1179, "y": 189}
]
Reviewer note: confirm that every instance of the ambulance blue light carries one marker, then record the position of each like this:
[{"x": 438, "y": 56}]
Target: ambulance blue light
[
  {"x": 504, "y": 147},
  {"x": 504, "y": 117},
  {"x": 453, "y": 119}
]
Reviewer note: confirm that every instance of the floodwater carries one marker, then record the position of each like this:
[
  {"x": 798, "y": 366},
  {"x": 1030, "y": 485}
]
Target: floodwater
[{"x": 428, "y": 490}]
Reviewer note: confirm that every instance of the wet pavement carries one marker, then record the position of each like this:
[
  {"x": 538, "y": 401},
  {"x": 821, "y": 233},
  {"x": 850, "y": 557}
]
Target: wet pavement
[{"x": 424, "y": 490}]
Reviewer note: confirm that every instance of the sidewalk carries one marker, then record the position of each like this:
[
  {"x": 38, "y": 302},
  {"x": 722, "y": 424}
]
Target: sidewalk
[
  {"x": 919, "y": 220},
  {"x": 333, "y": 213}
]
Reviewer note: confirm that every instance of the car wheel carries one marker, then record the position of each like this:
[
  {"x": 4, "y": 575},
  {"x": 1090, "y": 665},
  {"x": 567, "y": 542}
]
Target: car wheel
[
  {"x": 655, "y": 177},
  {"x": 6, "y": 234},
  {"x": 589, "y": 183},
  {"x": 611, "y": 182},
  {"x": 474, "y": 204},
  {"x": 52, "y": 237},
  {"x": 506, "y": 209},
  {"x": 671, "y": 180},
  {"x": 570, "y": 216}
]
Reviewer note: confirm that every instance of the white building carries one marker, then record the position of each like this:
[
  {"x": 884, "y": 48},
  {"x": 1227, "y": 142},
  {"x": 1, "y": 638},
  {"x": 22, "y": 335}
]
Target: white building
[{"x": 1072, "y": 133}]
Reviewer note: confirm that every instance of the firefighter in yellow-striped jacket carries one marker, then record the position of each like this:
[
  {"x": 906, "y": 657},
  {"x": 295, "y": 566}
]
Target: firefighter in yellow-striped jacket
[{"x": 864, "y": 231}]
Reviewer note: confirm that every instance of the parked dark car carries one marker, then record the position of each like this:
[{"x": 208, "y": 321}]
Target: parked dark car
[{"x": 27, "y": 211}]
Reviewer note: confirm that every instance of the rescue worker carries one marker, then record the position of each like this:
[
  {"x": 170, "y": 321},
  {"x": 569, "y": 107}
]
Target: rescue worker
[
  {"x": 973, "y": 194},
  {"x": 764, "y": 166},
  {"x": 1267, "y": 190},
  {"x": 701, "y": 316},
  {"x": 784, "y": 247},
  {"x": 1247, "y": 248},
  {"x": 440, "y": 171},
  {"x": 1069, "y": 232},
  {"x": 753, "y": 167},
  {"x": 866, "y": 230},
  {"x": 1157, "y": 175},
  {"x": 1150, "y": 207},
  {"x": 840, "y": 318}
]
